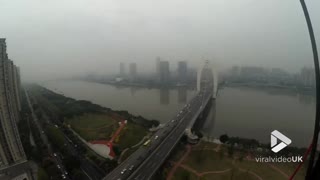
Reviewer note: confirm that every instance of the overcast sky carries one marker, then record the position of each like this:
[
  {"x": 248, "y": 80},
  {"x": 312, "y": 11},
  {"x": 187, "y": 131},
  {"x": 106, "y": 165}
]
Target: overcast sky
[{"x": 60, "y": 38}]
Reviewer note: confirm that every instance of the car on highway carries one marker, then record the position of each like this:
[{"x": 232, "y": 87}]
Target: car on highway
[
  {"x": 131, "y": 167},
  {"x": 156, "y": 137},
  {"x": 147, "y": 142},
  {"x": 123, "y": 171}
]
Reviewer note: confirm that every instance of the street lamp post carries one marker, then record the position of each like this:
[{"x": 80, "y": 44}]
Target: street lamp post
[{"x": 312, "y": 170}]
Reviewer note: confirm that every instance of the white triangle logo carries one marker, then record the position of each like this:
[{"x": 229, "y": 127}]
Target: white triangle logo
[{"x": 284, "y": 141}]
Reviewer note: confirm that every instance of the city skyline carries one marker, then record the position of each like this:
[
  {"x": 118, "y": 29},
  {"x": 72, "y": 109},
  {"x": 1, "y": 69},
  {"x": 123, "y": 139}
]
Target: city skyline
[{"x": 124, "y": 32}]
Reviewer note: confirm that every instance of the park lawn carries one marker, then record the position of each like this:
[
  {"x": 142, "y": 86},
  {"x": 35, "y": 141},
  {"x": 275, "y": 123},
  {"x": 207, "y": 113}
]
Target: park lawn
[
  {"x": 131, "y": 135},
  {"x": 232, "y": 174},
  {"x": 102, "y": 127},
  {"x": 93, "y": 126},
  {"x": 91, "y": 121},
  {"x": 261, "y": 169},
  {"x": 182, "y": 174},
  {"x": 128, "y": 153},
  {"x": 206, "y": 145},
  {"x": 289, "y": 168},
  {"x": 207, "y": 160}
]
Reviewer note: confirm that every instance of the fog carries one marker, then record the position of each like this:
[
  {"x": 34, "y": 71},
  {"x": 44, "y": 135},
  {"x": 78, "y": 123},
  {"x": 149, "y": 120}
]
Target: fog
[{"x": 56, "y": 39}]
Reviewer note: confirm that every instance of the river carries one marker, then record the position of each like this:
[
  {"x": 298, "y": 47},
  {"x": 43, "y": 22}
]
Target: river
[{"x": 240, "y": 111}]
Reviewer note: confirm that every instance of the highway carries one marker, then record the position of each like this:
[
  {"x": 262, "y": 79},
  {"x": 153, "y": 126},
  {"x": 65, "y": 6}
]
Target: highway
[
  {"x": 89, "y": 169},
  {"x": 45, "y": 140},
  {"x": 143, "y": 163},
  {"x": 159, "y": 155}
]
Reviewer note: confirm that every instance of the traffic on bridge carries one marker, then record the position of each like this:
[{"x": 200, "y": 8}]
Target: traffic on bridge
[{"x": 144, "y": 162}]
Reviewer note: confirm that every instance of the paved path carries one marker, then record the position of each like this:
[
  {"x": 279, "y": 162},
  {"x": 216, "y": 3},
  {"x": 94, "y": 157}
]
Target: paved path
[
  {"x": 175, "y": 167},
  {"x": 279, "y": 170},
  {"x": 200, "y": 174}
]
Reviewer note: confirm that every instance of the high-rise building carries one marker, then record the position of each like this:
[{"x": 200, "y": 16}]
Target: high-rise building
[
  {"x": 182, "y": 71},
  {"x": 164, "y": 72},
  {"x": 11, "y": 150},
  {"x": 133, "y": 71},
  {"x": 122, "y": 70},
  {"x": 158, "y": 60}
]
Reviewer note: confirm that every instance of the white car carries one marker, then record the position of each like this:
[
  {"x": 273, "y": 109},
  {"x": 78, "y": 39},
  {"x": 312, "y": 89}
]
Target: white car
[
  {"x": 123, "y": 171},
  {"x": 131, "y": 167},
  {"x": 59, "y": 166},
  {"x": 156, "y": 137}
]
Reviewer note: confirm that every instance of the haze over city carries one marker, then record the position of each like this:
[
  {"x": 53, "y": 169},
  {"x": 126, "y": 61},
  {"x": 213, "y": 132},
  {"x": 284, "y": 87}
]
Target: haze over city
[{"x": 57, "y": 39}]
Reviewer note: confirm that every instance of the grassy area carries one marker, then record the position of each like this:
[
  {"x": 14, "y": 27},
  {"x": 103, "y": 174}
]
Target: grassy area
[
  {"x": 93, "y": 126},
  {"x": 221, "y": 165},
  {"x": 102, "y": 126},
  {"x": 207, "y": 160},
  {"x": 232, "y": 174},
  {"x": 182, "y": 174},
  {"x": 131, "y": 135},
  {"x": 55, "y": 135}
]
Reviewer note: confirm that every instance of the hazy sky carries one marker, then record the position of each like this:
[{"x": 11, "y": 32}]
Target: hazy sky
[{"x": 59, "y": 38}]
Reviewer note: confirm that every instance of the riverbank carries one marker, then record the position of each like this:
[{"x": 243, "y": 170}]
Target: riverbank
[
  {"x": 270, "y": 87},
  {"x": 92, "y": 122},
  {"x": 145, "y": 85}
]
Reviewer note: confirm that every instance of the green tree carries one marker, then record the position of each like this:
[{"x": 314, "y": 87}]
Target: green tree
[
  {"x": 224, "y": 138},
  {"x": 72, "y": 163},
  {"x": 42, "y": 174},
  {"x": 221, "y": 154},
  {"x": 185, "y": 175},
  {"x": 78, "y": 175},
  {"x": 231, "y": 151}
]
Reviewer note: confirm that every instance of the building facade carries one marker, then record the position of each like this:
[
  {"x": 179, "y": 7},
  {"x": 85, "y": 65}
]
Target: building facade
[
  {"x": 133, "y": 70},
  {"x": 11, "y": 150},
  {"x": 122, "y": 70},
  {"x": 164, "y": 72},
  {"x": 182, "y": 71}
]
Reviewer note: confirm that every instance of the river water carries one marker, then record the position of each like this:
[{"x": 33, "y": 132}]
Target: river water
[{"x": 240, "y": 111}]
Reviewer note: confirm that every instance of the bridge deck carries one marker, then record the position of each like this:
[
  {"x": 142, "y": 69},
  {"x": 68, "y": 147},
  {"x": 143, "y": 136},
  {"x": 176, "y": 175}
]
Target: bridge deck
[{"x": 144, "y": 162}]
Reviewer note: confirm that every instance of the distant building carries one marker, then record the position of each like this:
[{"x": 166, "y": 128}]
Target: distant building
[
  {"x": 11, "y": 150},
  {"x": 235, "y": 71},
  {"x": 158, "y": 60},
  {"x": 164, "y": 72},
  {"x": 122, "y": 70},
  {"x": 307, "y": 77},
  {"x": 133, "y": 70},
  {"x": 252, "y": 73},
  {"x": 182, "y": 71}
]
